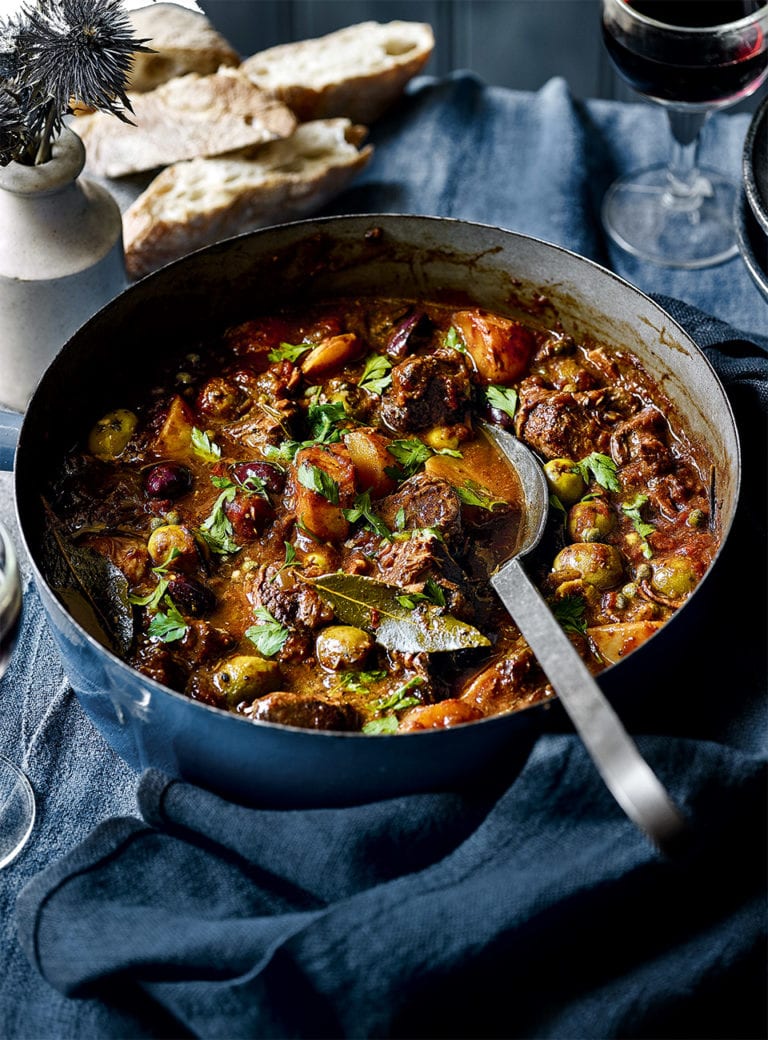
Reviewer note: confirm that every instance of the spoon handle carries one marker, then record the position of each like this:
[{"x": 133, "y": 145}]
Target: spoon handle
[{"x": 627, "y": 775}]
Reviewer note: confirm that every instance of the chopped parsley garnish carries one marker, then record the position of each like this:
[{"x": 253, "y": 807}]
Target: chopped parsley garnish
[
  {"x": 376, "y": 377},
  {"x": 602, "y": 468},
  {"x": 569, "y": 611},
  {"x": 359, "y": 682},
  {"x": 289, "y": 561},
  {"x": 268, "y": 636},
  {"x": 453, "y": 341},
  {"x": 393, "y": 702},
  {"x": 152, "y": 601},
  {"x": 204, "y": 446},
  {"x": 168, "y": 626},
  {"x": 503, "y": 398},
  {"x": 323, "y": 421},
  {"x": 433, "y": 593},
  {"x": 363, "y": 510},
  {"x": 289, "y": 351},
  {"x": 409, "y": 454},
  {"x": 217, "y": 531},
  {"x": 632, "y": 510},
  {"x": 473, "y": 494},
  {"x": 316, "y": 479}
]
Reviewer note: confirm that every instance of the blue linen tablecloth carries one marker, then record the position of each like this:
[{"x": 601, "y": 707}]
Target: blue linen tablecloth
[{"x": 155, "y": 910}]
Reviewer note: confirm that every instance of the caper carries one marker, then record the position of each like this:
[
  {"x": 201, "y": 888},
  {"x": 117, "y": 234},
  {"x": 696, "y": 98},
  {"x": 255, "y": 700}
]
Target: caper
[
  {"x": 565, "y": 480},
  {"x": 696, "y": 518},
  {"x": 674, "y": 577},
  {"x": 340, "y": 647},
  {"x": 111, "y": 434},
  {"x": 597, "y": 563},
  {"x": 643, "y": 571},
  {"x": 591, "y": 521},
  {"x": 245, "y": 676}
]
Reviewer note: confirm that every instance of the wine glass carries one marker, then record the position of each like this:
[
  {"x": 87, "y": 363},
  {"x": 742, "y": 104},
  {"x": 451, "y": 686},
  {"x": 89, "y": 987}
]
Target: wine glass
[
  {"x": 17, "y": 800},
  {"x": 692, "y": 57}
]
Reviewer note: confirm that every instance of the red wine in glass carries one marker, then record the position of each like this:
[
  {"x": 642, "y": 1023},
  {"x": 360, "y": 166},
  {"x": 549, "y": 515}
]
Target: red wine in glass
[
  {"x": 692, "y": 57},
  {"x": 684, "y": 71}
]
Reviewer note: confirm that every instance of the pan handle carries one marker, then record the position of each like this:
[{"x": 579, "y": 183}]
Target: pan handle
[{"x": 10, "y": 426}]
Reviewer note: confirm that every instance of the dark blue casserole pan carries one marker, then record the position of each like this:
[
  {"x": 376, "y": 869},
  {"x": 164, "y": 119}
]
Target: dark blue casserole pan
[{"x": 266, "y": 763}]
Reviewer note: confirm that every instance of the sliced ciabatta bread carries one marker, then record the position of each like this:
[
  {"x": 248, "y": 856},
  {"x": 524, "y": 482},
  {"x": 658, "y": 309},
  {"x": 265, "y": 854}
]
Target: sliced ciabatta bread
[
  {"x": 186, "y": 117},
  {"x": 193, "y": 204},
  {"x": 357, "y": 72},
  {"x": 182, "y": 41}
]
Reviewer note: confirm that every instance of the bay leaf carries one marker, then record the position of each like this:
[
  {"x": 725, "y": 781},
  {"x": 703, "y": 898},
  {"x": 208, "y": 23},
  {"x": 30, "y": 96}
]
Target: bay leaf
[
  {"x": 373, "y": 605},
  {"x": 91, "y": 587}
]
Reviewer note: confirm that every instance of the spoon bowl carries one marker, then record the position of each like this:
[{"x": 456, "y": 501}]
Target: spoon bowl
[{"x": 625, "y": 772}]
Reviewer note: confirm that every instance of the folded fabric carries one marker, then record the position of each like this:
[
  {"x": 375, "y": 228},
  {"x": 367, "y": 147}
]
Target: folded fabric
[
  {"x": 540, "y": 912},
  {"x": 552, "y": 917}
]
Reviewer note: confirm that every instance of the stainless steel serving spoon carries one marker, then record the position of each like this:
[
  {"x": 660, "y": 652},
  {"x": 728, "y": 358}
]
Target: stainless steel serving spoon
[{"x": 627, "y": 775}]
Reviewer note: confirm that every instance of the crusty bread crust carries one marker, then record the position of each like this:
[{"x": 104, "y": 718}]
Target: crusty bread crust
[
  {"x": 356, "y": 72},
  {"x": 186, "y": 117},
  {"x": 193, "y": 204},
  {"x": 182, "y": 41}
]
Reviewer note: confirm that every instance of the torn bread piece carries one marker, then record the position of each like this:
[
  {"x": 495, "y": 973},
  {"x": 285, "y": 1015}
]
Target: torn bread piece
[
  {"x": 193, "y": 204},
  {"x": 356, "y": 72},
  {"x": 186, "y": 117},
  {"x": 182, "y": 40}
]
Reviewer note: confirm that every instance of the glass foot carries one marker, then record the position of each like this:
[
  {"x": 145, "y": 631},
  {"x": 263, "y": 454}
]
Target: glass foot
[
  {"x": 17, "y": 811},
  {"x": 656, "y": 219}
]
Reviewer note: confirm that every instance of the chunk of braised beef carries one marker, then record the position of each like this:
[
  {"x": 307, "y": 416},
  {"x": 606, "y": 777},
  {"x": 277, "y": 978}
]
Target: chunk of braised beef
[
  {"x": 255, "y": 338},
  {"x": 267, "y": 422},
  {"x": 289, "y": 600},
  {"x": 203, "y": 643},
  {"x": 128, "y": 554},
  {"x": 157, "y": 661},
  {"x": 221, "y": 398},
  {"x": 556, "y": 424},
  {"x": 640, "y": 447},
  {"x": 294, "y": 709},
  {"x": 425, "y": 502},
  {"x": 427, "y": 390}
]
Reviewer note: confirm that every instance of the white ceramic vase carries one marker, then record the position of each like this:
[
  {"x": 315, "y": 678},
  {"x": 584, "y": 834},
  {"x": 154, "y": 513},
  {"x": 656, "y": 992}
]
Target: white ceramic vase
[{"x": 61, "y": 259}]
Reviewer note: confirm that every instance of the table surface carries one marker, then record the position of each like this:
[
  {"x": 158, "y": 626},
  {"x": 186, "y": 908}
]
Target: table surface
[{"x": 536, "y": 163}]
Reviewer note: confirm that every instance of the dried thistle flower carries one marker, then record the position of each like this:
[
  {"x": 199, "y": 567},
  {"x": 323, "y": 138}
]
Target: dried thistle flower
[
  {"x": 12, "y": 125},
  {"x": 61, "y": 51}
]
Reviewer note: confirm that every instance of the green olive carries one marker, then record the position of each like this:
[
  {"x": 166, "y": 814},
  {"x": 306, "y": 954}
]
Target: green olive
[
  {"x": 174, "y": 546},
  {"x": 591, "y": 521},
  {"x": 674, "y": 577},
  {"x": 565, "y": 480},
  {"x": 597, "y": 564},
  {"x": 339, "y": 647},
  {"x": 111, "y": 433},
  {"x": 245, "y": 677}
]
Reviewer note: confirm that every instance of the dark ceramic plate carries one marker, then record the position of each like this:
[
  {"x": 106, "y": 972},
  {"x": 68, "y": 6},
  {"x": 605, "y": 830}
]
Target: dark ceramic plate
[
  {"x": 753, "y": 244},
  {"x": 752, "y": 211}
]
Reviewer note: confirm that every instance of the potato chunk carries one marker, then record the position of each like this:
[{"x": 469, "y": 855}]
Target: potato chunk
[
  {"x": 500, "y": 348},
  {"x": 324, "y": 485}
]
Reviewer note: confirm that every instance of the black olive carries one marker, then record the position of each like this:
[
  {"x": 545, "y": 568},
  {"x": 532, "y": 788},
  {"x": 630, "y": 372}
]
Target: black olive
[
  {"x": 191, "y": 596},
  {"x": 167, "y": 480}
]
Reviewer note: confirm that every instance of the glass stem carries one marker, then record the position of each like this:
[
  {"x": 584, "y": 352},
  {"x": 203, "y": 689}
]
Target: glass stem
[{"x": 686, "y": 184}]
